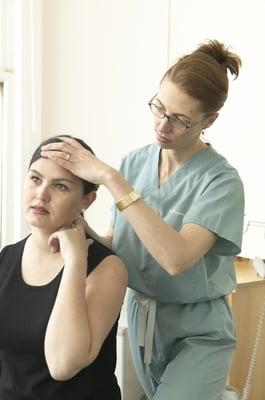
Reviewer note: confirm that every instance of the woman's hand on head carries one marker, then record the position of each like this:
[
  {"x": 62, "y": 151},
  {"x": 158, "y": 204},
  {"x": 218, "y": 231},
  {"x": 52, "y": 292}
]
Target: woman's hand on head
[
  {"x": 70, "y": 154},
  {"x": 71, "y": 242}
]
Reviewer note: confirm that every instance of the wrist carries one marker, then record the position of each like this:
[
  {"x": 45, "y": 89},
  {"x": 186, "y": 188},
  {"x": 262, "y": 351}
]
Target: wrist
[
  {"x": 128, "y": 199},
  {"x": 76, "y": 276},
  {"x": 110, "y": 177},
  {"x": 79, "y": 266}
]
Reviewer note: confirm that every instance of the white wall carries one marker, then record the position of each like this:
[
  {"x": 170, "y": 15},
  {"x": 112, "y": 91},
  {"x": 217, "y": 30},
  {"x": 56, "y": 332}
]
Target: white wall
[
  {"x": 239, "y": 131},
  {"x": 102, "y": 61}
]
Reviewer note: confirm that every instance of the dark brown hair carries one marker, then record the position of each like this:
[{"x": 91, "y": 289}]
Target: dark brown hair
[
  {"x": 203, "y": 74},
  {"x": 88, "y": 186}
]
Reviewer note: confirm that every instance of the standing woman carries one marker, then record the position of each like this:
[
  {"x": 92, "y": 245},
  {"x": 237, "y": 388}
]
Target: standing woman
[
  {"x": 177, "y": 226},
  {"x": 60, "y": 296}
]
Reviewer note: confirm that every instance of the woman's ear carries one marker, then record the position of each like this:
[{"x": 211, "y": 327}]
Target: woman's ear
[
  {"x": 87, "y": 200},
  {"x": 210, "y": 120}
]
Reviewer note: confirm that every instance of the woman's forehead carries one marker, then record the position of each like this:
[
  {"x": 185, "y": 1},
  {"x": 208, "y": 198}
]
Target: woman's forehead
[
  {"x": 48, "y": 168},
  {"x": 176, "y": 100}
]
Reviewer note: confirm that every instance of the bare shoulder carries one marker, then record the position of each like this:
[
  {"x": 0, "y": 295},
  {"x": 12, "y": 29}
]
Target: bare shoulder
[{"x": 111, "y": 269}]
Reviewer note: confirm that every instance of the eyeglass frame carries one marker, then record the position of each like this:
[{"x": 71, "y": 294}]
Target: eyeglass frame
[{"x": 168, "y": 117}]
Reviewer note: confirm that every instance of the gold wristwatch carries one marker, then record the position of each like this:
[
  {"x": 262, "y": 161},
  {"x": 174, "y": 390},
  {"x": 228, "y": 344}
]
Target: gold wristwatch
[{"x": 127, "y": 200}]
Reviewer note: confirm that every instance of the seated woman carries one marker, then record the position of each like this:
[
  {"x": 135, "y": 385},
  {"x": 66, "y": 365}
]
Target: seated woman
[{"x": 60, "y": 296}]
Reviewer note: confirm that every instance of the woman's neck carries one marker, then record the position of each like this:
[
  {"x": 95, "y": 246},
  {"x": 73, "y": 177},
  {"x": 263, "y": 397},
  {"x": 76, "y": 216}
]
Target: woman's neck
[
  {"x": 172, "y": 159},
  {"x": 39, "y": 240},
  {"x": 39, "y": 265}
]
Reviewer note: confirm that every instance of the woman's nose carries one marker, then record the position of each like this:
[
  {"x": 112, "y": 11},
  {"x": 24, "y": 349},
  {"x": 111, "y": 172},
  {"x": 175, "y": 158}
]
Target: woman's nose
[
  {"x": 43, "y": 194},
  {"x": 164, "y": 125}
]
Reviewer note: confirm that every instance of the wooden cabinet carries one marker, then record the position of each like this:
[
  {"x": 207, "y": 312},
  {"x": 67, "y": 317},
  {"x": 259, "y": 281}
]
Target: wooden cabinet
[{"x": 246, "y": 302}]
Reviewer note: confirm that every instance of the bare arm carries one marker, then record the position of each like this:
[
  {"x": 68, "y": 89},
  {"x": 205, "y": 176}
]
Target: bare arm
[
  {"x": 174, "y": 251},
  {"x": 83, "y": 314}
]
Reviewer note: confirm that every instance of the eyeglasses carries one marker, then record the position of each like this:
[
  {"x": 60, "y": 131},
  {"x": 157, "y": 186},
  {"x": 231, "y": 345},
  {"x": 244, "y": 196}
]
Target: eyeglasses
[{"x": 175, "y": 121}]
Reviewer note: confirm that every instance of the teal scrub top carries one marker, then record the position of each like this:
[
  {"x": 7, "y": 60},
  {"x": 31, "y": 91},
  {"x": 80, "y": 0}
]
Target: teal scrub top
[{"x": 206, "y": 190}]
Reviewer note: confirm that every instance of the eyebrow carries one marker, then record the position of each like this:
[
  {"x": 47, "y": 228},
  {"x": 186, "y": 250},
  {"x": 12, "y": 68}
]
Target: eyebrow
[
  {"x": 174, "y": 114},
  {"x": 54, "y": 180}
]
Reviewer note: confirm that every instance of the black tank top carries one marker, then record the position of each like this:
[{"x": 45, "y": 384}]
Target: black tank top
[{"x": 24, "y": 314}]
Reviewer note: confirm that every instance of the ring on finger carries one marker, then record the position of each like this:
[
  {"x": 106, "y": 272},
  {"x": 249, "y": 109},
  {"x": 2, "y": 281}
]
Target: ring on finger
[{"x": 67, "y": 156}]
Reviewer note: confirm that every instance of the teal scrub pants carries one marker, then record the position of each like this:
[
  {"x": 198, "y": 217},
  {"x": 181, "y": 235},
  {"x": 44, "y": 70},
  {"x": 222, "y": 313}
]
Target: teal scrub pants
[{"x": 193, "y": 367}]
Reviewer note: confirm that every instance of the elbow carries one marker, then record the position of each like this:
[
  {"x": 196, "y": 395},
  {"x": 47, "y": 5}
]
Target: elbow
[
  {"x": 59, "y": 374},
  {"x": 63, "y": 370},
  {"x": 63, "y": 364},
  {"x": 173, "y": 270},
  {"x": 176, "y": 267}
]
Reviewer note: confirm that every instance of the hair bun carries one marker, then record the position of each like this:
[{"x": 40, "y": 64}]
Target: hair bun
[{"x": 222, "y": 54}]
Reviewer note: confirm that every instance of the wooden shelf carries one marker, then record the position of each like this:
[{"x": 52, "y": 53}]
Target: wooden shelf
[
  {"x": 246, "y": 305},
  {"x": 245, "y": 271}
]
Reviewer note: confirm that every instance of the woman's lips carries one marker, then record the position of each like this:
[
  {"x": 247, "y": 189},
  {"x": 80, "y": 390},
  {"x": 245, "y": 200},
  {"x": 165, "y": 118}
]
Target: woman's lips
[
  {"x": 162, "y": 139},
  {"x": 39, "y": 210}
]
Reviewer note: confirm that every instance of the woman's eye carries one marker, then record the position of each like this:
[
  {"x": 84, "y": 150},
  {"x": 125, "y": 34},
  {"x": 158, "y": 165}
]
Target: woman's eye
[
  {"x": 176, "y": 119},
  {"x": 35, "y": 179},
  {"x": 159, "y": 108},
  {"x": 61, "y": 187}
]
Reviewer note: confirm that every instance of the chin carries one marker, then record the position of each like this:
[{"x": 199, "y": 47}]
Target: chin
[
  {"x": 164, "y": 145},
  {"x": 37, "y": 225}
]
